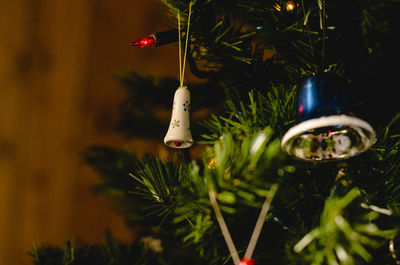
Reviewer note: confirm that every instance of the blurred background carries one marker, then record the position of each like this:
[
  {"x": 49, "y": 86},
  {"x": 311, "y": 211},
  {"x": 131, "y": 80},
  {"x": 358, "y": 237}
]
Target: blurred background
[{"x": 58, "y": 97}]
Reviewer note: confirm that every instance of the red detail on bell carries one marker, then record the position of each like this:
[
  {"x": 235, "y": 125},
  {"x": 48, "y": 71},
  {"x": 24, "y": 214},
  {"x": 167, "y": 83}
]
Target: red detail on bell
[
  {"x": 245, "y": 261},
  {"x": 177, "y": 143},
  {"x": 144, "y": 42},
  {"x": 301, "y": 108}
]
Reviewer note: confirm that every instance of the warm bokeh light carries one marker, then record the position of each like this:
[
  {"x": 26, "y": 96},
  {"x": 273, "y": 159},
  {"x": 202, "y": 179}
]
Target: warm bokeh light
[
  {"x": 277, "y": 7},
  {"x": 211, "y": 164},
  {"x": 290, "y": 5}
]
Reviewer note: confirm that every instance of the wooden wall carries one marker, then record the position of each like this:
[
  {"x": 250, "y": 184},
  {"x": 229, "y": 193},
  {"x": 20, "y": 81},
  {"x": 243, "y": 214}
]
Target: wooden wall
[{"x": 57, "y": 96}]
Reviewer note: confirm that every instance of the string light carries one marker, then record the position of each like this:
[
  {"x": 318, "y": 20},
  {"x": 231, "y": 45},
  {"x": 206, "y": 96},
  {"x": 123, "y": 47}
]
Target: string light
[
  {"x": 290, "y": 6},
  {"x": 149, "y": 41},
  {"x": 157, "y": 39}
]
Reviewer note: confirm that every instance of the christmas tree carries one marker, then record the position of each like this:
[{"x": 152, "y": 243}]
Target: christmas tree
[{"x": 334, "y": 199}]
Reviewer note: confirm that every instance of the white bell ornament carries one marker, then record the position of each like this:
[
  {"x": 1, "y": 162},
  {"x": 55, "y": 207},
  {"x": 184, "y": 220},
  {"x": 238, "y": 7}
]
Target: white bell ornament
[{"x": 179, "y": 134}]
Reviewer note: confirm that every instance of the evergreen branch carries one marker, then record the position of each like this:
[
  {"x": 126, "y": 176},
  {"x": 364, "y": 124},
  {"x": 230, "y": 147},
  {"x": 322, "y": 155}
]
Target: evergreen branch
[
  {"x": 160, "y": 181},
  {"x": 275, "y": 109},
  {"x": 110, "y": 252},
  {"x": 337, "y": 241}
]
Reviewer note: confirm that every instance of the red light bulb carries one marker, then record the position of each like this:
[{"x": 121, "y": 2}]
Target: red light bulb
[
  {"x": 245, "y": 261},
  {"x": 144, "y": 42}
]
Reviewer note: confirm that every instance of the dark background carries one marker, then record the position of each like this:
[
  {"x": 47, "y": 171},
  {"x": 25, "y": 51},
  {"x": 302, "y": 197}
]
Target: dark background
[{"x": 58, "y": 96}]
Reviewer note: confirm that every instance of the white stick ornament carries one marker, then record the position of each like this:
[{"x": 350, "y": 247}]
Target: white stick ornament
[{"x": 247, "y": 260}]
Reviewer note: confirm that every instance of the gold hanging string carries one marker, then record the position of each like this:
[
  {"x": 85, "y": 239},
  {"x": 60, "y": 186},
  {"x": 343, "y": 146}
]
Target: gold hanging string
[
  {"x": 309, "y": 35},
  {"x": 322, "y": 25},
  {"x": 323, "y": 33},
  {"x": 187, "y": 38},
  {"x": 182, "y": 67},
  {"x": 179, "y": 48}
]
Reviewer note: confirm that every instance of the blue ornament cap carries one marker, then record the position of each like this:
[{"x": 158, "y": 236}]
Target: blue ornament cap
[
  {"x": 326, "y": 130},
  {"x": 322, "y": 95}
]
